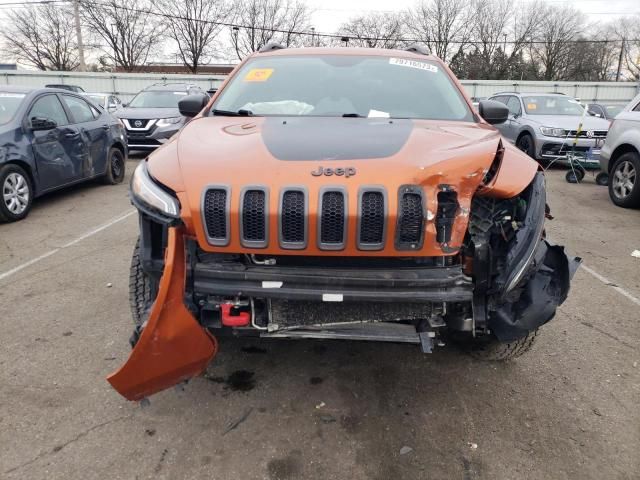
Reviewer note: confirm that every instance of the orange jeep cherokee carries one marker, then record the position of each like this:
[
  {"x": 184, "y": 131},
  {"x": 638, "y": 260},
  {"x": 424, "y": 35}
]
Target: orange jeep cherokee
[{"x": 337, "y": 193}]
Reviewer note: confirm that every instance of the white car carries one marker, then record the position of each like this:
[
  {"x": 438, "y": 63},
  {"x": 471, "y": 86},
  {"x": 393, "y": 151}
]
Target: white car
[{"x": 620, "y": 156}]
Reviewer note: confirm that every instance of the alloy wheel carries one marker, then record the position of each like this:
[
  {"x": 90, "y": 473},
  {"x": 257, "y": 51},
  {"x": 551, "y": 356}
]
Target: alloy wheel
[
  {"x": 624, "y": 179},
  {"x": 117, "y": 165},
  {"x": 15, "y": 193}
]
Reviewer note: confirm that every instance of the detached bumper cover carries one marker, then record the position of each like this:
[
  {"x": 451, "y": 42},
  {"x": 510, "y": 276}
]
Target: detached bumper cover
[{"x": 172, "y": 347}]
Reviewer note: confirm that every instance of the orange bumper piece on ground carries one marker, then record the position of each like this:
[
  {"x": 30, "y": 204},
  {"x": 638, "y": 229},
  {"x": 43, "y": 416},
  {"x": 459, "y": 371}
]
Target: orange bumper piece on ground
[{"x": 173, "y": 347}]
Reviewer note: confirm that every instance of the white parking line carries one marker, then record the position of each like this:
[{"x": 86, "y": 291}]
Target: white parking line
[
  {"x": 611, "y": 284},
  {"x": 84, "y": 236}
]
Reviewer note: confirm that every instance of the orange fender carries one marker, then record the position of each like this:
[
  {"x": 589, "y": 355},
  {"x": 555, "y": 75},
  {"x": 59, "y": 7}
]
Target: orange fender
[{"x": 173, "y": 347}]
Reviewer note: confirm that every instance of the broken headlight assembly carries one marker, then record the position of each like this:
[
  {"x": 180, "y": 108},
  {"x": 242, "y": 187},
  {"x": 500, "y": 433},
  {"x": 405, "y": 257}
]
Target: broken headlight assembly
[{"x": 151, "y": 198}]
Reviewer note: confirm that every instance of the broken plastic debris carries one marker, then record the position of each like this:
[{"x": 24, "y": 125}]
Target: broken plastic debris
[
  {"x": 635, "y": 253},
  {"x": 320, "y": 405},
  {"x": 473, "y": 446},
  {"x": 404, "y": 450},
  {"x": 109, "y": 285}
]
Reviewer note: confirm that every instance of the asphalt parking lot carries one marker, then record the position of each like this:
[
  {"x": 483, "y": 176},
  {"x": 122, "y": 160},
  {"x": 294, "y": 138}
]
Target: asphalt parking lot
[{"x": 313, "y": 410}]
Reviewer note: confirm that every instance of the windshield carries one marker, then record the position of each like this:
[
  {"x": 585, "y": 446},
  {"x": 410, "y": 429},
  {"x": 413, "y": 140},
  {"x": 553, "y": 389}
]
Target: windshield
[
  {"x": 157, "y": 99},
  {"x": 9, "y": 104},
  {"x": 337, "y": 85},
  {"x": 552, "y": 105},
  {"x": 99, "y": 99},
  {"x": 613, "y": 110}
]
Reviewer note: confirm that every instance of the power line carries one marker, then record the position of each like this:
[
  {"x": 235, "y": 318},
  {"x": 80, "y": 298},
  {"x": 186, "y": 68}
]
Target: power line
[{"x": 236, "y": 26}]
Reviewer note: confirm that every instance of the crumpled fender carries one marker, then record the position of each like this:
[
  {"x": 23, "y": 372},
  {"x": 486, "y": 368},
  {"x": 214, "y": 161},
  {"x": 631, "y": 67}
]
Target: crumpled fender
[
  {"x": 515, "y": 173},
  {"x": 172, "y": 347}
]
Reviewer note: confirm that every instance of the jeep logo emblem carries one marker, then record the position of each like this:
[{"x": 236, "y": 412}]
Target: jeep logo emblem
[
  {"x": 137, "y": 123},
  {"x": 341, "y": 171}
]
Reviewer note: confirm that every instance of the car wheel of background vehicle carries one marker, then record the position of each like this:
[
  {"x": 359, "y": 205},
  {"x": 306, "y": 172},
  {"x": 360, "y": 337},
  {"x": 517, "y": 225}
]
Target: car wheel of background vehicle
[
  {"x": 624, "y": 184},
  {"x": 525, "y": 143},
  {"x": 16, "y": 193},
  {"x": 574, "y": 176},
  {"x": 139, "y": 288},
  {"x": 491, "y": 349},
  {"x": 602, "y": 179},
  {"x": 115, "y": 167}
]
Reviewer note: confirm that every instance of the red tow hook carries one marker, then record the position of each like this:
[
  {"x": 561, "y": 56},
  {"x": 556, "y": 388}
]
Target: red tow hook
[{"x": 239, "y": 319}]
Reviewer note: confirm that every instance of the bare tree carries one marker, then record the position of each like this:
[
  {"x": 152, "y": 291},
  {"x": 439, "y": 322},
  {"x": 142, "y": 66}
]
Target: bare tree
[
  {"x": 374, "y": 30},
  {"x": 445, "y": 26},
  {"x": 555, "y": 48},
  {"x": 264, "y": 21},
  {"x": 42, "y": 36},
  {"x": 194, "y": 25},
  {"x": 126, "y": 26}
]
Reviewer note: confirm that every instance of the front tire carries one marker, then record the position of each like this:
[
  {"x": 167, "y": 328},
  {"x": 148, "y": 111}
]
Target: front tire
[
  {"x": 525, "y": 143},
  {"x": 624, "y": 181},
  {"x": 116, "y": 164},
  {"x": 16, "y": 193},
  {"x": 139, "y": 288},
  {"x": 491, "y": 349}
]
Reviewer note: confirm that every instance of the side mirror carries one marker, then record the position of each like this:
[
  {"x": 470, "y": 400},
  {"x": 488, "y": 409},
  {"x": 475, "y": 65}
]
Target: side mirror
[
  {"x": 192, "y": 105},
  {"x": 41, "y": 123},
  {"x": 493, "y": 112}
]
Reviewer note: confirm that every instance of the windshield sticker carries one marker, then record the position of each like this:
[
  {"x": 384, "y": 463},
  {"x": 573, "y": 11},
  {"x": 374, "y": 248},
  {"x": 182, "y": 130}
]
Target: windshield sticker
[
  {"x": 403, "y": 62},
  {"x": 180, "y": 93},
  {"x": 11, "y": 95},
  {"x": 258, "y": 75},
  {"x": 378, "y": 114},
  {"x": 531, "y": 106}
]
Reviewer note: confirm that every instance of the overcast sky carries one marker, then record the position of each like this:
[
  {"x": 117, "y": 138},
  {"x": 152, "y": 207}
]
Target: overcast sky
[{"x": 329, "y": 14}]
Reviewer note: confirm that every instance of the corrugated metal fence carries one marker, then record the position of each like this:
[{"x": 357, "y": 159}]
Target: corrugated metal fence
[{"x": 126, "y": 85}]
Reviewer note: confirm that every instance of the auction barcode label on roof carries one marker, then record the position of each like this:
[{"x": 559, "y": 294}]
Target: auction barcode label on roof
[{"x": 403, "y": 62}]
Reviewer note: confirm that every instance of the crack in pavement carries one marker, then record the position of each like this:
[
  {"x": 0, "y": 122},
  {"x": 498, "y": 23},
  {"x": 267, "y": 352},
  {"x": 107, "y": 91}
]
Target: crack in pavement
[{"x": 58, "y": 448}]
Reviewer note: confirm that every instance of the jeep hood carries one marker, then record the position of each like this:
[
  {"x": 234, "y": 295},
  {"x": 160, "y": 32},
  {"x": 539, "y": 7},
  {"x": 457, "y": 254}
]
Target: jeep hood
[{"x": 276, "y": 152}]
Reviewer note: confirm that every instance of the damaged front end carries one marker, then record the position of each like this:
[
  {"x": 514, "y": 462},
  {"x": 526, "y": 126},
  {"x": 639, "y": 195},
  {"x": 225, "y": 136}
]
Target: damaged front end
[{"x": 501, "y": 284}]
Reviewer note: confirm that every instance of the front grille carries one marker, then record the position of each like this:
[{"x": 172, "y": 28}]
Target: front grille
[
  {"x": 293, "y": 219},
  {"x": 138, "y": 123},
  {"x": 254, "y": 218},
  {"x": 215, "y": 213},
  {"x": 584, "y": 133},
  {"x": 332, "y": 220},
  {"x": 410, "y": 219},
  {"x": 372, "y": 220}
]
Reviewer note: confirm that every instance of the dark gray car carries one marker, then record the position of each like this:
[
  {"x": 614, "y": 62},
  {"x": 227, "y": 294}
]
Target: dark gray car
[
  {"x": 50, "y": 139},
  {"x": 152, "y": 117}
]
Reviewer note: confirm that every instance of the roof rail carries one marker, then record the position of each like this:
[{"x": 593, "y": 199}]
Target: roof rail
[
  {"x": 505, "y": 91},
  {"x": 271, "y": 46},
  {"x": 417, "y": 48}
]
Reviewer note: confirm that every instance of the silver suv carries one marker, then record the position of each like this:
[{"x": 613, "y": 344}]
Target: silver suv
[
  {"x": 544, "y": 125},
  {"x": 620, "y": 156},
  {"x": 152, "y": 117}
]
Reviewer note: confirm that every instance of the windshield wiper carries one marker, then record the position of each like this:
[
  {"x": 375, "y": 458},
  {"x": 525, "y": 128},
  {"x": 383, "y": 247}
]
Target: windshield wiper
[
  {"x": 352, "y": 115},
  {"x": 230, "y": 113}
]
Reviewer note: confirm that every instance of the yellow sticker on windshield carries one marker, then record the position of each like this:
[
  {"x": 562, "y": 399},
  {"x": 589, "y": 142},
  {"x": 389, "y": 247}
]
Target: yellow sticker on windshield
[
  {"x": 531, "y": 106},
  {"x": 258, "y": 75}
]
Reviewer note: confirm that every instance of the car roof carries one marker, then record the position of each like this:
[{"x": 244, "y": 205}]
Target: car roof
[
  {"x": 171, "y": 87},
  {"x": 345, "y": 51}
]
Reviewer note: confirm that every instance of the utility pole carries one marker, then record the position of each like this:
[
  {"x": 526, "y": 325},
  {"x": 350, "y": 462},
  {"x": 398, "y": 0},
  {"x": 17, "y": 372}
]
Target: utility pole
[
  {"x": 620, "y": 61},
  {"x": 76, "y": 14}
]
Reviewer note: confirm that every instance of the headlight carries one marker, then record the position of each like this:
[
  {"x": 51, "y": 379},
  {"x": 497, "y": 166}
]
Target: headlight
[
  {"x": 147, "y": 192},
  {"x": 553, "y": 132},
  {"x": 166, "y": 122}
]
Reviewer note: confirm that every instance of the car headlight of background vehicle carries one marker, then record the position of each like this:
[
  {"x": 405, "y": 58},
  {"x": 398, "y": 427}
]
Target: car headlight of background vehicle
[
  {"x": 147, "y": 195},
  {"x": 167, "y": 122},
  {"x": 553, "y": 132}
]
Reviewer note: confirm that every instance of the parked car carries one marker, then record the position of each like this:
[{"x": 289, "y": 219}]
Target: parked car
[
  {"x": 620, "y": 156},
  {"x": 62, "y": 86},
  {"x": 607, "y": 111},
  {"x": 313, "y": 201},
  {"x": 544, "y": 126},
  {"x": 152, "y": 117},
  {"x": 111, "y": 103},
  {"x": 51, "y": 139}
]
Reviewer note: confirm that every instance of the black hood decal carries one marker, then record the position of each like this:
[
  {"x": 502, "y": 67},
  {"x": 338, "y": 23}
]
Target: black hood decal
[{"x": 324, "y": 138}]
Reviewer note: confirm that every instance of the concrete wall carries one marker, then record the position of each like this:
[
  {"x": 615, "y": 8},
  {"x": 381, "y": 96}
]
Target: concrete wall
[{"x": 126, "y": 85}]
